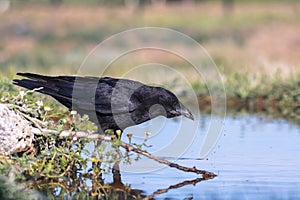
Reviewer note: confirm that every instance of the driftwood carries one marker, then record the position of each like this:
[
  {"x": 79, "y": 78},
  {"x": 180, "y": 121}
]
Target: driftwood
[
  {"x": 128, "y": 147},
  {"x": 15, "y": 132}
]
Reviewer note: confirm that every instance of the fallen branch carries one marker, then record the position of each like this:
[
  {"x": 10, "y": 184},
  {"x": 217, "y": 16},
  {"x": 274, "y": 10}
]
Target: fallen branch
[{"x": 128, "y": 147}]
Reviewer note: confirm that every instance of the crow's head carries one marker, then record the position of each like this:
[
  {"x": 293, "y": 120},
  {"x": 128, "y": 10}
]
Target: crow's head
[{"x": 173, "y": 107}]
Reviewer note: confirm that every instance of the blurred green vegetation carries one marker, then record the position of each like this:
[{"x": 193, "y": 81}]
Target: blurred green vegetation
[{"x": 41, "y": 41}]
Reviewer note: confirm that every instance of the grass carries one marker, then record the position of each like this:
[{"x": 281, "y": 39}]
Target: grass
[{"x": 275, "y": 97}]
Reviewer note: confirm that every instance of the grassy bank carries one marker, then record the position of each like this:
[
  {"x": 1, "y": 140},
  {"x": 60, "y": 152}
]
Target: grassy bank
[{"x": 278, "y": 98}]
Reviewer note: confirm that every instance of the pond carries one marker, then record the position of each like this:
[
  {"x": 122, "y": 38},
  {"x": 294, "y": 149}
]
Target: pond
[{"x": 256, "y": 157}]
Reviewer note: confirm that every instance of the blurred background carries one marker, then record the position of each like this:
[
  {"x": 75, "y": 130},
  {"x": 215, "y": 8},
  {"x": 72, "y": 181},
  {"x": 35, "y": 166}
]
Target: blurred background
[{"x": 54, "y": 36}]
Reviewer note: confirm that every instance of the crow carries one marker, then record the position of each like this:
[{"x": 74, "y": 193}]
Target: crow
[{"x": 110, "y": 103}]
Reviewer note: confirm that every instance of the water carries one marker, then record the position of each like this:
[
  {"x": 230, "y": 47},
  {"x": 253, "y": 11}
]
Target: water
[{"x": 255, "y": 158}]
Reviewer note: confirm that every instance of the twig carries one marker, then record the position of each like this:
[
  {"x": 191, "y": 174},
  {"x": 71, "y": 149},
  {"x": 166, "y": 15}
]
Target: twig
[{"x": 128, "y": 147}]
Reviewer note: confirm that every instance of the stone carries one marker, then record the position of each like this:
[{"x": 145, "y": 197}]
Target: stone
[{"x": 15, "y": 132}]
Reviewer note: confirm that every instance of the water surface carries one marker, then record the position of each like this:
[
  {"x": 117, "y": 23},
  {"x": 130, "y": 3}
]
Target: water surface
[{"x": 256, "y": 158}]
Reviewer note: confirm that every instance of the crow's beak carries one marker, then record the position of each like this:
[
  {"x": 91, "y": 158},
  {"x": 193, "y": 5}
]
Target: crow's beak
[{"x": 185, "y": 112}]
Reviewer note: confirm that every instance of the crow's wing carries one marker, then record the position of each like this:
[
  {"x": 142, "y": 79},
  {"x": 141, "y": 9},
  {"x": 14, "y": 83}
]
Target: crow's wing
[
  {"x": 113, "y": 96},
  {"x": 104, "y": 95},
  {"x": 117, "y": 96}
]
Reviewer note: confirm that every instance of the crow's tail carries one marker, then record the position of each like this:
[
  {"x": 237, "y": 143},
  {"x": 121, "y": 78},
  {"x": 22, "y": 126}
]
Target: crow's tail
[
  {"x": 35, "y": 76},
  {"x": 57, "y": 87},
  {"x": 36, "y": 81}
]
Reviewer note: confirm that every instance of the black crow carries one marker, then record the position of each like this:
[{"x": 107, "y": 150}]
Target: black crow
[{"x": 111, "y": 103}]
